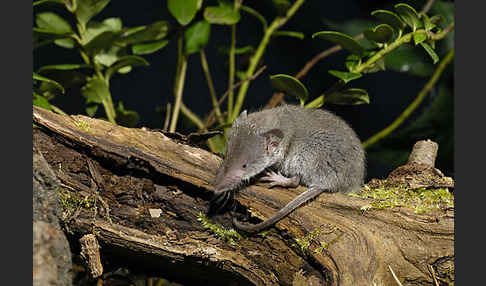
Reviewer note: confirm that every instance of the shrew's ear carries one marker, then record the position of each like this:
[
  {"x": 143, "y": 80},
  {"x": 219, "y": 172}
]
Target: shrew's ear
[{"x": 273, "y": 138}]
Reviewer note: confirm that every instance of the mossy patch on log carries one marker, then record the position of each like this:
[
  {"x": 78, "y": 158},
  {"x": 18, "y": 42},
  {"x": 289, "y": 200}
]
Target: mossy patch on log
[
  {"x": 229, "y": 235},
  {"x": 421, "y": 200}
]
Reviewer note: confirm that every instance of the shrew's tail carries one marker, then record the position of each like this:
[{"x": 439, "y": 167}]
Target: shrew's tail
[{"x": 290, "y": 207}]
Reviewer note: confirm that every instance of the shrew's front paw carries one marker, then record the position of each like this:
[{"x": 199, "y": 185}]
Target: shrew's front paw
[{"x": 277, "y": 179}]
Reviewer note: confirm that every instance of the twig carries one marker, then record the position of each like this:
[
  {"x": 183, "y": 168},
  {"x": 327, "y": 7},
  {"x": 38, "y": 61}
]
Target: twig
[
  {"x": 57, "y": 110},
  {"x": 406, "y": 113},
  {"x": 443, "y": 33},
  {"x": 231, "y": 75},
  {"x": 432, "y": 272},
  {"x": 426, "y": 7},
  {"x": 192, "y": 116},
  {"x": 97, "y": 182},
  {"x": 196, "y": 120},
  {"x": 320, "y": 56},
  {"x": 212, "y": 93},
  {"x": 394, "y": 276},
  {"x": 179, "y": 85},
  {"x": 167, "y": 116}
]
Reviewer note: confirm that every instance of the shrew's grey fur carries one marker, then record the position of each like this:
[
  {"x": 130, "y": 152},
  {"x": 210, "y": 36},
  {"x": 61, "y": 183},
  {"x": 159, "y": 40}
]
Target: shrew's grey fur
[{"x": 312, "y": 147}]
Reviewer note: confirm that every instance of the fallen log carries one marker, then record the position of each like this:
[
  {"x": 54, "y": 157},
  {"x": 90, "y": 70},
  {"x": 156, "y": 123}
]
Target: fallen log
[{"x": 144, "y": 195}]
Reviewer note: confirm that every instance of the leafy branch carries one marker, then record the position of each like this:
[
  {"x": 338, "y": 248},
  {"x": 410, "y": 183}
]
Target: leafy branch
[
  {"x": 386, "y": 37},
  {"x": 105, "y": 47}
]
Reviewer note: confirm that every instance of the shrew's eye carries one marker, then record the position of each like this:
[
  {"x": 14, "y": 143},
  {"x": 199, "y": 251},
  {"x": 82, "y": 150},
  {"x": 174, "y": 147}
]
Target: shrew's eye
[{"x": 244, "y": 166}]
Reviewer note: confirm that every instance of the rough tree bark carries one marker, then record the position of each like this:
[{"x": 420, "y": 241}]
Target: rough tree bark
[{"x": 140, "y": 193}]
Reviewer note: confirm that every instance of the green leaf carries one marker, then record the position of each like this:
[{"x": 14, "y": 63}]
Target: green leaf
[
  {"x": 293, "y": 34},
  {"x": 149, "y": 47},
  {"x": 132, "y": 30},
  {"x": 382, "y": 33},
  {"x": 345, "y": 76},
  {"x": 409, "y": 15},
  {"x": 352, "y": 61},
  {"x": 436, "y": 19},
  {"x": 100, "y": 38},
  {"x": 124, "y": 62},
  {"x": 197, "y": 36},
  {"x": 431, "y": 52},
  {"x": 125, "y": 70},
  {"x": 48, "y": 21},
  {"x": 45, "y": 79},
  {"x": 128, "y": 118},
  {"x": 419, "y": 36},
  {"x": 87, "y": 9},
  {"x": 44, "y": 33},
  {"x": 183, "y": 11},
  {"x": 71, "y": 5},
  {"x": 40, "y": 2},
  {"x": 243, "y": 50},
  {"x": 350, "y": 96},
  {"x": 95, "y": 91},
  {"x": 154, "y": 32},
  {"x": 39, "y": 100},
  {"x": 353, "y": 28},
  {"x": 316, "y": 103},
  {"x": 290, "y": 86},
  {"x": 52, "y": 22},
  {"x": 428, "y": 25},
  {"x": 65, "y": 43},
  {"x": 345, "y": 41},
  {"x": 42, "y": 37},
  {"x": 409, "y": 59},
  {"x": 109, "y": 56},
  {"x": 223, "y": 14},
  {"x": 238, "y": 51},
  {"x": 389, "y": 18},
  {"x": 102, "y": 42},
  {"x": 64, "y": 67},
  {"x": 94, "y": 29}
]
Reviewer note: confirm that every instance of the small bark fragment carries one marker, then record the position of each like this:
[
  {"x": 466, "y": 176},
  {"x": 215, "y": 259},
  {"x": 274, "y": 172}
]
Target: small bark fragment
[
  {"x": 90, "y": 252},
  {"x": 424, "y": 152}
]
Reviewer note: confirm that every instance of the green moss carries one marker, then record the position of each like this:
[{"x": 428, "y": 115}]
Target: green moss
[
  {"x": 229, "y": 235},
  {"x": 305, "y": 241},
  {"x": 264, "y": 233},
  {"x": 83, "y": 125},
  {"x": 421, "y": 200},
  {"x": 71, "y": 204}
]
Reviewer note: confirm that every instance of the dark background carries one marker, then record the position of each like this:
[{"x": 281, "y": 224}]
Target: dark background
[{"x": 145, "y": 89}]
